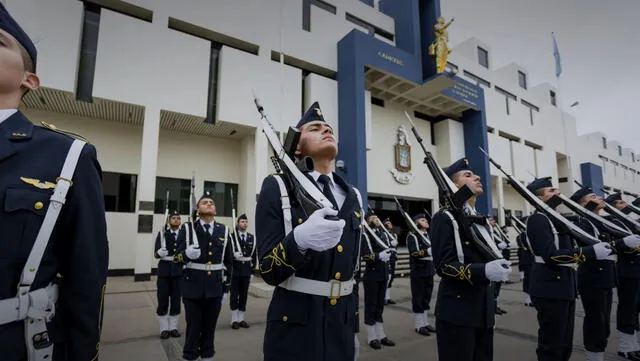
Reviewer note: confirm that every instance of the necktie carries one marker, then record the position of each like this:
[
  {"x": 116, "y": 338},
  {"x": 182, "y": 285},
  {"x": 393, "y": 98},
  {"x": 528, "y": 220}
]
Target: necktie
[
  {"x": 326, "y": 189},
  {"x": 206, "y": 228},
  {"x": 243, "y": 238}
]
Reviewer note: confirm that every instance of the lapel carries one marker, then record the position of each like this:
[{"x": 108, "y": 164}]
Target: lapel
[
  {"x": 14, "y": 132},
  {"x": 350, "y": 202}
]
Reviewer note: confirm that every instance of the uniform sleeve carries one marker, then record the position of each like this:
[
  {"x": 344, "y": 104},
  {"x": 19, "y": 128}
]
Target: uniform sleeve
[
  {"x": 84, "y": 258},
  {"x": 542, "y": 241},
  {"x": 445, "y": 255},
  {"x": 278, "y": 253},
  {"x": 413, "y": 246},
  {"x": 227, "y": 260},
  {"x": 366, "y": 252},
  {"x": 157, "y": 246}
]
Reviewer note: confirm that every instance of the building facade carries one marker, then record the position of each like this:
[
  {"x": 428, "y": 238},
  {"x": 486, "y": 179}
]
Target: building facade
[{"x": 164, "y": 90}]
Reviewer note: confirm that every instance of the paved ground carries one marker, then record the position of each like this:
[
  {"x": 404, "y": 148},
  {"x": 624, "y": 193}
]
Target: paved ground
[{"x": 130, "y": 330}]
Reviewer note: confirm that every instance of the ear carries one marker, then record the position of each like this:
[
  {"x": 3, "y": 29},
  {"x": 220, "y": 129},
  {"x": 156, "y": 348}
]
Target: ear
[{"x": 30, "y": 82}]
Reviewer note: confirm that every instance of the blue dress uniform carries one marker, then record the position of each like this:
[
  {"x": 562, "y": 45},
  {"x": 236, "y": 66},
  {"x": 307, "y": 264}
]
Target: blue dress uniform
[
  {"x": 628, "y": 284},
  {"x": 302, "y": 325},
  {"x": 506, "y": 254},
  {"x": 204, "y": 281},
  {"x": 242, "y": 269},
  {"x": 526, "y": 259},
  {"x": 169, "y": 275},
  {"x": 75, "y": 256},
  {"x": 392, "y": 266},
  {"x": 374, "y": 279},
  {"x": 421, "y": 279}
]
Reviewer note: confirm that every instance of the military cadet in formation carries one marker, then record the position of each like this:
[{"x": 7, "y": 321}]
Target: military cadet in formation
[
  {"x": 205, "y": 248},
  {"x": 553, "y": 276},
  {"x": 392, "y": 261},
  {"x": 310, "y": 259},
  {"x": 61, "y": 262},
  {"x": 376, "y": 251},
  {"x": 628, "y": 284},
  {"x": 243, "y": 263},
  {"x": 421, "y": 275},
  {"x": 169, "y": 277},
  {"x": 525, "y": 261},
  {"x": 465, "y": 307},
  {"x": 503, "y": 245}
]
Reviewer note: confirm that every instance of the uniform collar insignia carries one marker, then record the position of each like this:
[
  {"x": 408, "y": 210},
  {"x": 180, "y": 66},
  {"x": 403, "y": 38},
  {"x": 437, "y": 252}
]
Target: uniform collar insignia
[{"x": 36, "y": 183}]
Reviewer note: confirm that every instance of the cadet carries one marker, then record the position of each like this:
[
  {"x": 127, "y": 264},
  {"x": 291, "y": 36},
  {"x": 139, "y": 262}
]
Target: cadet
[
  {"x": 169, "y": 277},
  {"x": 311, "y": 260},
  {"x": 465, "y": 309},
  {"x": 596, "y": 280},
  {"x": 243, "y": 264},
  {"x": 525, "y": 261},
  {"x": 392, "y": 261},
  {"x": 553, "y": 276},
  {"x": 421, "y": 276},
  {"x": 377, "y": 255},
  {"x": 204, "y": 247},
  {"x": 63, "y": 261},
  {"x": 628, "y": 271}
]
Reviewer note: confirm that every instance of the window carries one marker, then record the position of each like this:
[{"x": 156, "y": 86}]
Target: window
[
  {"x": 604, "y": 163},
  {"x": 531, "y": 107},
  {"x": 451, "y": 67},
  {"x": 179, "y": 193},
  {"x": 633, "y": 157},
  {"x": 88, "y": 52},
  {"x": 221, "y": 193},
  {"x": 483, "y": 57},
  {"x": 371, "y": 29},
  {"x": 552, "y": 96},
  {"x": 507, "y": 96},
  {"x": 306, "y": 11},
  {"x": 119, "y": 192},
  {"x": 522, "y": 80},
  {"x": 620, "y": 150},
  {"x": 604, "y": 143},
  {"x": 494, "y": 213},
  {"x": 476, "y": 79}
]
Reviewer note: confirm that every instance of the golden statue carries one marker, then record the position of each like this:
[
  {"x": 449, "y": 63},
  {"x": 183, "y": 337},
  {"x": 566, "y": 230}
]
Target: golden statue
[{"x": 439, "y": 49}]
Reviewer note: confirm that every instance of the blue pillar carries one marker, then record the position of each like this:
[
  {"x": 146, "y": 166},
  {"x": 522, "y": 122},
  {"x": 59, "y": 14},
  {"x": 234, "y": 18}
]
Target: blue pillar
[
  {"x": 475, "y": 136},
  {"x": 592, "y": 177},
  {"x": 407, "y": 23}
]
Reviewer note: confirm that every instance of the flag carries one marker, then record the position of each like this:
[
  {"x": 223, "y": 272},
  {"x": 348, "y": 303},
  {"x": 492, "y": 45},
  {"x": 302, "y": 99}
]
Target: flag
[{"x": 556, "y": 55}]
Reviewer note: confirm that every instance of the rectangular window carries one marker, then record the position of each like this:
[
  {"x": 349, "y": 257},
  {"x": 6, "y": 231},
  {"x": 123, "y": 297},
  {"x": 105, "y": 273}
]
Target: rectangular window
[
  {"x": 483, "y": 57},
  {"x": 179, "y": 192},
  {"x": 604, "y": 143},
  {"x": 119, "y": 192},
  {"x": 553, "y": 98},
  {"x": 518, "y": 214},
  {"x": 620, "y": 150},
  {"x": 522, "y": 80},
  {"x": 532, "y": 109},
  {"x": 221, "y": 193},
  {"x": 88, "y": 52},
  {"x": 476, "y": 79},
  {"x": 633, "y": 157},
  {"x": 507, "y": 96}
]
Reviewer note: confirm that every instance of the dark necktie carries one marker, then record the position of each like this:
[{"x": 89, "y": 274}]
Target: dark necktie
[
  {"x": 326, "y": 189},
  {"x": 243, "y": 239},
  {"x": 206, "y": 229}
]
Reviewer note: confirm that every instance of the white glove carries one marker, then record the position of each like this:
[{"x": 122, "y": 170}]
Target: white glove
[
  {"x": 317, "y": 233},
  {"x": 603, "y": 250},
  {"x": 394, "y": 242},
  {"x": 192, "y": 252},
  {"x": 502, "y": 245},
  {"x": 250, "y": 278},
  {"x": 385, "y": 255},
  {"x": 224, "y": 298},
  {"x": 521, "y": 275},
  {"x": 632, "y": 241},
  {"x": 498, "y": 270},
  {"x": 357, "y": 347},
  {"x": 162, "y": 252},
  {"x": 238, "y": 255}
]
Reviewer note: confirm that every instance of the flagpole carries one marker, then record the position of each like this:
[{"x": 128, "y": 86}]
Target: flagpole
[{"x": 560, "y": 105}]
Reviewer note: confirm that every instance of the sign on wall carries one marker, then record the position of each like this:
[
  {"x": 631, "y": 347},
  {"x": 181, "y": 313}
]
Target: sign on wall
[{"x": 402, "y": 171}]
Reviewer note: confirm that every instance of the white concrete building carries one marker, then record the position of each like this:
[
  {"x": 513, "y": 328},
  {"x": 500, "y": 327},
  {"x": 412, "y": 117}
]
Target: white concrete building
[{"x": 164, "y": 90}]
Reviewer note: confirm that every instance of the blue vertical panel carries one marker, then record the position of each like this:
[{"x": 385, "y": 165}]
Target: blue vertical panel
[
  {"x": 407, "y": 23},
  {"x": 351, "y": 114},
  {"x": 592, "y": 177},
  {"x": 429, "y": 13}
]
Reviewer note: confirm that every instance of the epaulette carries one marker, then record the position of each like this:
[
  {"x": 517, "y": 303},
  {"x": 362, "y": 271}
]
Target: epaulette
[
  {"x": 276, "y": 173},
  {"x": 52, "y": 127}
]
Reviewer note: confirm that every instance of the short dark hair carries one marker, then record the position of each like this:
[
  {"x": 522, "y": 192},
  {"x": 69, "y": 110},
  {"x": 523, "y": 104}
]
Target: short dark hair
[{"x": 539, "y": 192}]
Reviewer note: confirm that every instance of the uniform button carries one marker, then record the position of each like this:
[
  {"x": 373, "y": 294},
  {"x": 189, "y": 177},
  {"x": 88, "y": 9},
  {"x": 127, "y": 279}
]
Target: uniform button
[
  {"x": 333, "y": 302},
  {"x": 174, "y": 249},
  {"x": 467, "y": 243},
  {"x": 209, "y": 273},
  {"x": 299, "y": 220},
  {"x": 209, "y": 262},
  {"x": 175, "y": 244},
  {"x": 210, "y": 253},
  {"x": 457, "y": 296},
  {"x": 600, "y": 268},
  {"x": 285, "y": 318},
  {"x": 339, "y": 248},
  {"x": 338, "y": 275},
  {"x": 38, "y": 205},
  {"x": 557, "y": 277},
  {"x": 360, "y": 226},
  {"x": 211, "y": 244}
]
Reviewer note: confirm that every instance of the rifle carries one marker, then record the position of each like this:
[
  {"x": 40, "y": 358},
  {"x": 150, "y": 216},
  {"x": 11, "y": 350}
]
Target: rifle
[
  {"x": 621, "y": 216},
  {"x": 385, "y": 230},
  {"x": 235, "y": 245},
  {"x": 377, "y": 239},
  {"x": 163, "y": 242},
  {"x": 517, "y": 224},
  {"x": 191, "y": 234},
  {"x": 305, "y": 191},
  {"x": 566, "y": 225},
  {"x": 600, "y": 222},
  {"x": 456, "y": 201},
  {"x": 410, "y": 223}
]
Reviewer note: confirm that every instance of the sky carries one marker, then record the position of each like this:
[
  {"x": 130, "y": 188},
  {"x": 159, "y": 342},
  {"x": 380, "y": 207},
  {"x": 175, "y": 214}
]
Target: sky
[{"x": 599, "y": 44}]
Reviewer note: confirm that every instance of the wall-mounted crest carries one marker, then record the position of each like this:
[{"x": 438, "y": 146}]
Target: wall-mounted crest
[{"x": 402, "y": 172}]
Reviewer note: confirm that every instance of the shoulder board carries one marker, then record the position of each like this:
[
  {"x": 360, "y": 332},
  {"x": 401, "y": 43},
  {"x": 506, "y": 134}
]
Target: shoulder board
[
  {"x": 52, "y": 127},
  {"x": 276, "y": 173}
]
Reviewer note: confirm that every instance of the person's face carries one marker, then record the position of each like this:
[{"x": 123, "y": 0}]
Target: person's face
[
  {"x": 592, "y": 197},
  {"x": 548, "y": 192},
  {"x": 620, "y": 204},
  {"x": 423, "y": 223},
  {"x": 373, "y": 221},
  {"x": 243, "y": 224},
  {"x": 206, "y": 207},
  {"x": 388, "y": 225},
  {"x": 13, "y": 75},
  {"x": 469, "y": 178},
  {"x": 317, "y": 140},
  {"x": 175, "y": 221}
]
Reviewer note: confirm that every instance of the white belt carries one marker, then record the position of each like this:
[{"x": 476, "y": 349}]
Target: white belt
[
  {"x": 244, "y": 259},
  {"x": 541, "y": 260},
  {"x": 38, "y": 304},
  {"x": 425, "y": 259},
  {"x": 167, "y": 258},
  {"x": 331, "y": 289},
  {"x": 205, "y": 267}
]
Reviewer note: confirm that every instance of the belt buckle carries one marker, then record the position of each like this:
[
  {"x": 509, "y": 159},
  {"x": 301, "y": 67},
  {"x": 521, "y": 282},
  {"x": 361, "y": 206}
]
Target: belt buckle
[{"x": 333, "y": 284}]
